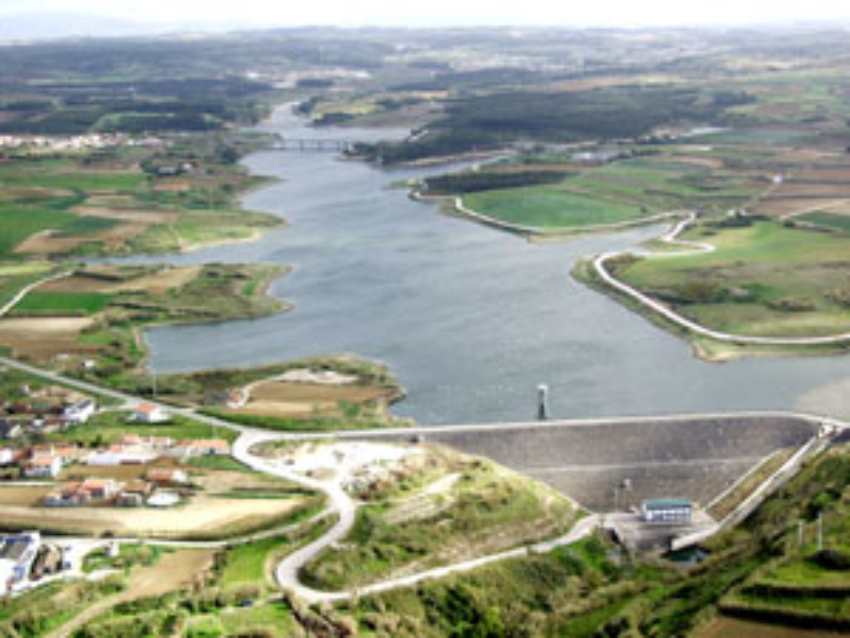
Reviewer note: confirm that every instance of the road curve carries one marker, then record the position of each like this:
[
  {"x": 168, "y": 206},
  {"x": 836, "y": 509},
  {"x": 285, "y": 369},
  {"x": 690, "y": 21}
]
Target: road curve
[
  {"x": 671, "y": 315},
  {"x": 287, "y": 571}
]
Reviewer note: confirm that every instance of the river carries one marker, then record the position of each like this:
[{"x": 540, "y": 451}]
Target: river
[{"x": 470, "y": 319}]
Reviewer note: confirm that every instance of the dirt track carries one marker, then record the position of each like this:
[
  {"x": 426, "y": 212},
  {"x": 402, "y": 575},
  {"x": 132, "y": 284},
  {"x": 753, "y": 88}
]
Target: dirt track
[{"x": 172, "y": 572}]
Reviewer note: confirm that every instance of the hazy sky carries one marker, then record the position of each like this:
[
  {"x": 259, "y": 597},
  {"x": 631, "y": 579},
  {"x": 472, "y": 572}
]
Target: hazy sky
[{"x": 444, "y": 12}]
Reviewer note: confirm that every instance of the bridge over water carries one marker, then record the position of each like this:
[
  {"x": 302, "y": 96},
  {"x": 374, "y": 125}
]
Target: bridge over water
[{"x": 320, "y": 145}]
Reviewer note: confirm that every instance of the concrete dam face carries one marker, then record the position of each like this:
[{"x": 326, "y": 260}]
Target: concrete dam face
[{"x": 694, "y": 457}]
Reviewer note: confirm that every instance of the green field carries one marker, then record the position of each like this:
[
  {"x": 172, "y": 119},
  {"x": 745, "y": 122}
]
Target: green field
[
  {"x": 547, "y": 207},
  {"x": 108, "y": 427},
  {"x": 828, "y": 220},
  {"x": 66, "y": 175},
  {"x": 17, "y": 275},
  {"x": 271, "y": 620},
  {"x": 246, "y": 563},
  {"x": 621, "y": 191},
  {"x": 61, "y": 303},
  {"x": 763, "y": 279},
  {"x": 17, "y": 223}
]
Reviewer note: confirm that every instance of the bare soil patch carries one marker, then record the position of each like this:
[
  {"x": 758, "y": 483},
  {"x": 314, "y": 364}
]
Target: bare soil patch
[
  {"x": 707, "y": 162},
  {"x": 812, "y": 189},
  {"x": 112, "y": 201},
  {"x": 173, "y": 186},
  {"x": 203, "y": 515},
  {"x": 76, "y": 283},
  {"x": 49, "y": 242},
  {"x": 41, "y": 339},
  {"x": 171, "y": 572},
  {"x": 22, "y": 495},
  {"x": 779, "y": 207},
  {"x": 138, "y": 215},
  {"x": 32, "y": 192},
  {"x": 281, "y": 398},
  {"x": 159, "y": 282}
]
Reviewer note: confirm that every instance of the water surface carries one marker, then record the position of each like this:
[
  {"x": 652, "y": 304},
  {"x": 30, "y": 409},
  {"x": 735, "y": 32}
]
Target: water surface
[{"x": 470, "y": 319}]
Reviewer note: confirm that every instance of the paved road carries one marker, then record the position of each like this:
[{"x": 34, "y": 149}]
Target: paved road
[
  {"x": 487, "y": 220},
  {"x": 287, "y": 570},
  {"x": 340, "y": 504},
  {"x": 599, "y": 264}
]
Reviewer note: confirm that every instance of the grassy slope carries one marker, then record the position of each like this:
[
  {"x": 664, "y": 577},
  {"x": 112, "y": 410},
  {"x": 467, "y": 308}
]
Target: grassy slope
[
  {"x": 829, "y": 220},
  {"x": 487, "y": 510},
  {"x": 772, "y": 264},
  {"x": 581, "y": 592}
]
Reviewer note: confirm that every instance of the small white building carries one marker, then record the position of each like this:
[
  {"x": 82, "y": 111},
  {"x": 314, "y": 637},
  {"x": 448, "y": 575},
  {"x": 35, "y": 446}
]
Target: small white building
[
  {"x": 149, "y": 413},
  {"x": 122, "y": 455},
  {"x": 17, "y": 554},
  {"x": 79, "y": 412},
  {"x": 7, "y": 456},
  {"x": 671, "y": 511},
  {"x": 43, "y": 466}
]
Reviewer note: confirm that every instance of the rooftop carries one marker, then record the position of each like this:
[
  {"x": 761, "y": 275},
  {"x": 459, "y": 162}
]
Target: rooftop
[{"x": 666, "y": 503}]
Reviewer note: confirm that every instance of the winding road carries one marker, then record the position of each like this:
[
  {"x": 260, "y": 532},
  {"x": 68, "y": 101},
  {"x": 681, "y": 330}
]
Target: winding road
[
  {"x": 340, "y": 503},
  {"x": 599, "y": 265}
]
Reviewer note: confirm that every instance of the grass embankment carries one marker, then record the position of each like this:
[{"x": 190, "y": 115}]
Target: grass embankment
[
  {"x": 726, "y": 505},
  {"x": 764, "y": 279},
  {"x": 486, "y": 510}
]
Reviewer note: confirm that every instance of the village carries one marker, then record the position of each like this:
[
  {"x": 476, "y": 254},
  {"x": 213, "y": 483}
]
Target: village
[
  {"x": 91, "y": 141},
  {"x": 24, "y": 457}
]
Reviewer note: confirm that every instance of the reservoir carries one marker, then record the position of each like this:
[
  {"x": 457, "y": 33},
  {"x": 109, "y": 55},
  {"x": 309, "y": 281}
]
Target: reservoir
[{"x": 470, "y": 319}]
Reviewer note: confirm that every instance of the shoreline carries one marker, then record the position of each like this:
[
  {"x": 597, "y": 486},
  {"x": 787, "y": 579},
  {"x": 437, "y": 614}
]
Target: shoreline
[
  {"x": 535, "y": 234},
  {"x": 709, "y": 345}
]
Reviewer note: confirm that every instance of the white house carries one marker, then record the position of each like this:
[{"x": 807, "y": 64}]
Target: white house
[
  {"x": 200, "y": 447},
  {"x": 122, "y": 455},
  {"x": 79, "y": 412},
  {"x": 7, "y": 456},
  {"x": 17, "y": 554},
  {"x": 149, "y": 413},
  {"x": 43, "y": 466}
]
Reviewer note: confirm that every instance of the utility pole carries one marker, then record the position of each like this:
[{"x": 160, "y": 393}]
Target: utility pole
[{"x": 799, "y": 534}]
